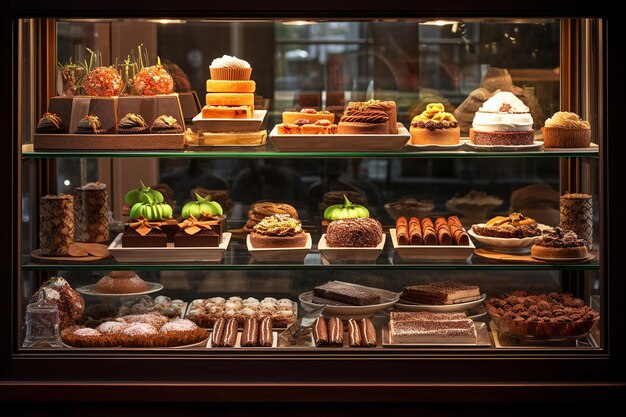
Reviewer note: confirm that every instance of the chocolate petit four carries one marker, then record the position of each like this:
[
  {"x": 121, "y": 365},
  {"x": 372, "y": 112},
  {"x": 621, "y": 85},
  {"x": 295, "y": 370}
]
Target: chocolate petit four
[
  {"x": 132, "y": 124},
  {"x": 166, "y": 124},
  {"x": 50, "y": 123},
  {"x": 197, "y": 233},
  {"x": 89, "y": 125}
]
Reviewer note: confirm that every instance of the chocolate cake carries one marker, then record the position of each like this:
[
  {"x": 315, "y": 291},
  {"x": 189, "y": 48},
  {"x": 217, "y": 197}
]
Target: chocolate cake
[
  {"x": 204, "y": 238},
  {"x": 356, "y": 233},
  {"x": 348, "y": 294},
  {"x": 504, "y": 138},
  {"x": 154, "y": 239},
  {"x": 443, "y": 292}
]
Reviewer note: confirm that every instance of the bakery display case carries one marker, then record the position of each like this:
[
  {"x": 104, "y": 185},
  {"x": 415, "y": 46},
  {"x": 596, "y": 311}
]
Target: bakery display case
[{"x": 211, "y": 198}]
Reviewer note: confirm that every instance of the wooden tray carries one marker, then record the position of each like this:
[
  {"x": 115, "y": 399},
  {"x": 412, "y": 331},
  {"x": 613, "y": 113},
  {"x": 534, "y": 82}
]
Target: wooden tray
[
  {"x": 431, "y": 253},
  {"x": 110, "y": 110},
  {"x": 144, "y": 142},
  {"x": 341, "y": 143},
  {"x": 526, "y": 258},
  {"x": 36, "y": 255},
  {"x": 168, "y": 253}
]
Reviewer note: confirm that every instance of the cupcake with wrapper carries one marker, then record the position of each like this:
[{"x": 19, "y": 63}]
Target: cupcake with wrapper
[
  {"x": 566, "y": 130},
  {"x": 230, "y": 68}
]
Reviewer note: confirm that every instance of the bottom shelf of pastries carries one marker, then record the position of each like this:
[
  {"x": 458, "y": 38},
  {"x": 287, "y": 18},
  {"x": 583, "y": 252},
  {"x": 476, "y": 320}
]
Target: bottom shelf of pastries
[{"x": 340, "y": 316}]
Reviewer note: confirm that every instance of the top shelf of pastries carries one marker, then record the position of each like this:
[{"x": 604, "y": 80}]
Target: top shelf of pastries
[{"x": 134, "y": 116}]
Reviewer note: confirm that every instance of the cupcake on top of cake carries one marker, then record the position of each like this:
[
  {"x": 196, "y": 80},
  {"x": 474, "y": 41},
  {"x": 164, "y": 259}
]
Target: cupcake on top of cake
[
  {"x": 503, "y": 120},
  {"x": 435, "y": 126},
  {"x": 566, "y": 130},
  {"x": 230, "y": 92}
]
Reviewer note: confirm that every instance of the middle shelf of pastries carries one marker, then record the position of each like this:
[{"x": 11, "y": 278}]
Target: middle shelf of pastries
[{"x": 75, "y": 233}]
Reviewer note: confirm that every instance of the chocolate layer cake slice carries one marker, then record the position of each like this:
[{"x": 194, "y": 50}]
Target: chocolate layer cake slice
[
  {"x": 348, "y": 294},
  {"x": 461, "y": 331},
  {"x": 443, "y": 292}
]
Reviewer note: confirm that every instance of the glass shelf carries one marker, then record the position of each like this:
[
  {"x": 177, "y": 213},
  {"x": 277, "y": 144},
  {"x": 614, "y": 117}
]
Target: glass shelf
[
  {"x": 237, "y": 257},
  {"x": 269, "y": 151}
]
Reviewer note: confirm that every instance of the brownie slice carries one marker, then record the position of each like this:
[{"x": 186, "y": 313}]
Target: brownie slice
[
  {"x": 154, "y": 239},
  {"x": 443, "y": 292},
  {"x": 346, "y": 294}
]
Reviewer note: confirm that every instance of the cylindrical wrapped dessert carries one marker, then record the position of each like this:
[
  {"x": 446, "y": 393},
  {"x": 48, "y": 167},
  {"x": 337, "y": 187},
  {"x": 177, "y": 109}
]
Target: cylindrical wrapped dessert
[
  {"x": 577, "y": 216},
  {"x": 230, "y": 68},
  {"x": 91, "y": 213},
  {"x": 566, "y": 130},
  {"x": 56, "y": 224}
]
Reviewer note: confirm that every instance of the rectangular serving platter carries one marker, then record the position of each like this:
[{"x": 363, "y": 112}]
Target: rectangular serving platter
[
  {"x": 169, "y": 253},
  {"x": 482, "y": 339},
  {"x": 341, "y": 143},
  {"x": 280, "y": 254},
  {"x": 230, "y": 125},
  {"x": 413, "y": 253}
]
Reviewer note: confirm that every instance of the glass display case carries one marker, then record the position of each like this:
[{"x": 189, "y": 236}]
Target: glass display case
[{"x": 512, "y": 291}]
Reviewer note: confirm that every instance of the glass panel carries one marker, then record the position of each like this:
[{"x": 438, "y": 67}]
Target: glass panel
[{"x": 325, "y": 65}]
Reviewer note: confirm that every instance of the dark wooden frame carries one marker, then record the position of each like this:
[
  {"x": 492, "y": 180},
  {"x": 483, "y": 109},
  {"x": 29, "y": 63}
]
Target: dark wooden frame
[{"x": 430, "y": 376}]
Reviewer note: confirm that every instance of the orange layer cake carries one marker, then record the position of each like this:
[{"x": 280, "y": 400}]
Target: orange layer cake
[
  {"x": 230, "y": 99},
  {"x": 227, "y": 112},
  {"x": 226, "y": 86}
]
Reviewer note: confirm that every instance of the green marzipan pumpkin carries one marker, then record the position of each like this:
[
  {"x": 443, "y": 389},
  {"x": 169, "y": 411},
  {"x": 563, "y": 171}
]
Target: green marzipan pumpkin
[
  {"x": 347, "y": 210},
  {"x": 203, "y": 206},
  {"x": 151, "y": 211},
  {"x": 143, "y": 195}
]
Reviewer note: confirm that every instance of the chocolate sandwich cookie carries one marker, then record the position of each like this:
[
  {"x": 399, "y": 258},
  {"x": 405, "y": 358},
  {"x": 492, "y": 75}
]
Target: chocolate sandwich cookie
[
  {"x": 250, "y": 334},
  {"x": 354, "y": 333},
  {"x": 320, "y": 332}
]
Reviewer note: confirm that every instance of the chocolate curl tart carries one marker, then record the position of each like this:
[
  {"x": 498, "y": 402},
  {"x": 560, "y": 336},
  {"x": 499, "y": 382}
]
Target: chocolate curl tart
[
  {"x": 191, "y": 226},
  {"x": 429, "y": 235},
  {"x": 266, "y": 337},
  {"x": 335, "y": 331},
  {"x": 459, "y": 235},
  {"x": 415, "y": 231},
  {"x": 402, "y": 230},
  {"x": 143, "y": 226},
  {"x": 320, "y": 332},
  {"x": 354, "y": 333},
  {"x": 443, "y": 232},
  {"x": 368, "y": 333}
]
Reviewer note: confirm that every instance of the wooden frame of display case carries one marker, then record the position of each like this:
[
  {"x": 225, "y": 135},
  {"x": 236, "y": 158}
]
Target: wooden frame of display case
[{"x": 437, "y": 375}]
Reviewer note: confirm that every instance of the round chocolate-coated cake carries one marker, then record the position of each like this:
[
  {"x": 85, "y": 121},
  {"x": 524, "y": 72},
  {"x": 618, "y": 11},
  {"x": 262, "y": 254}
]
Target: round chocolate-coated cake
[{"x": 360, "y": 232}]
